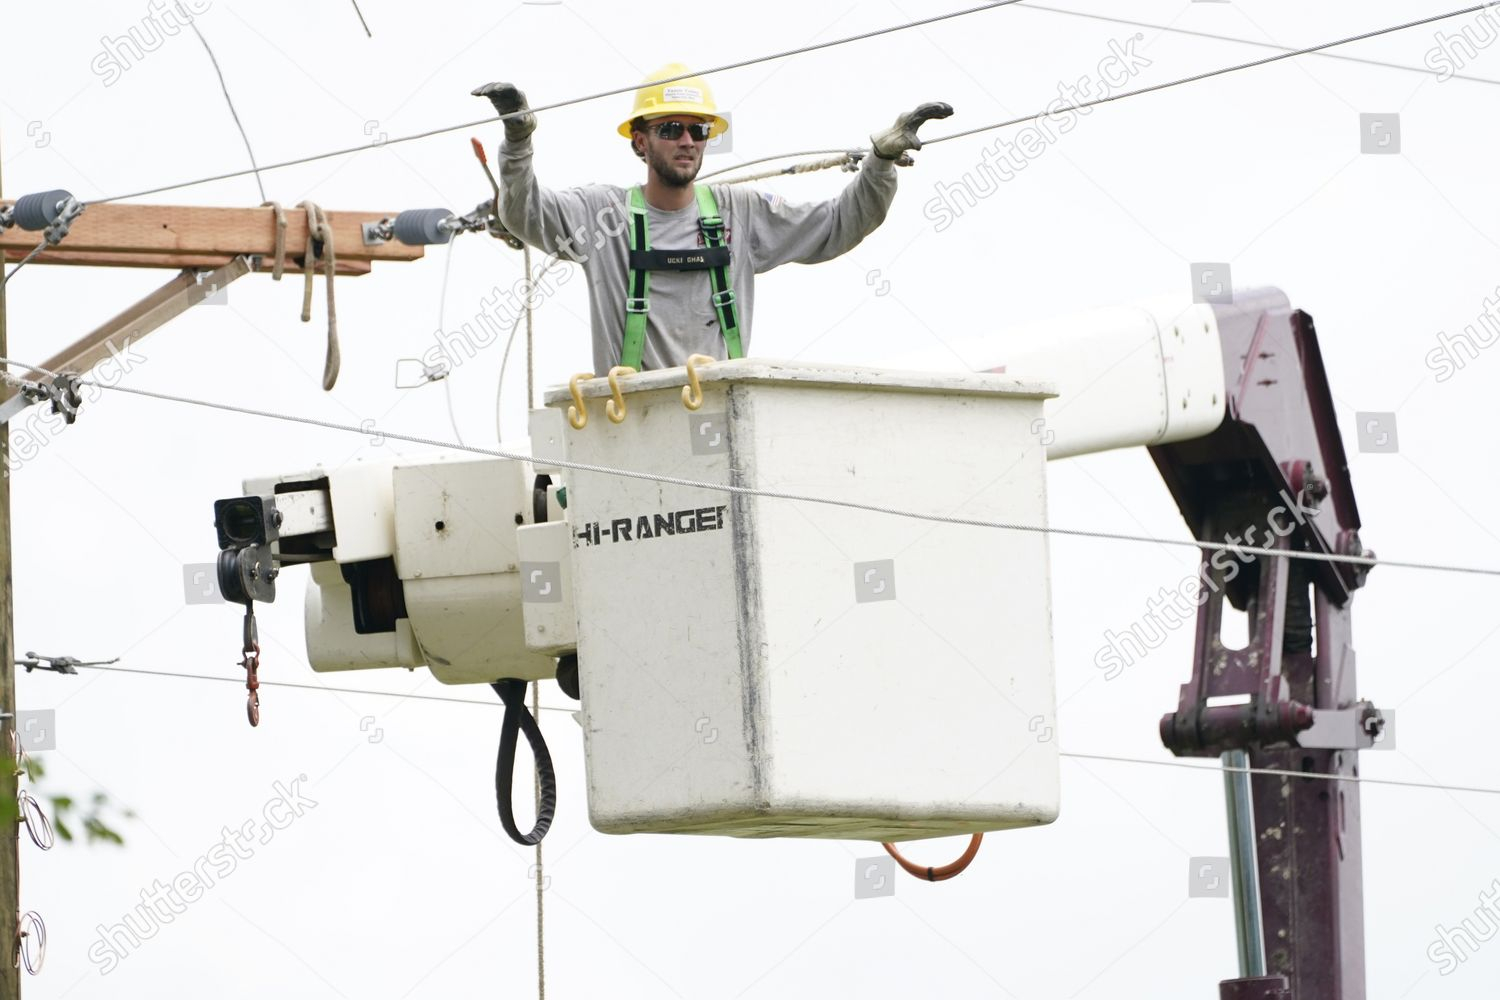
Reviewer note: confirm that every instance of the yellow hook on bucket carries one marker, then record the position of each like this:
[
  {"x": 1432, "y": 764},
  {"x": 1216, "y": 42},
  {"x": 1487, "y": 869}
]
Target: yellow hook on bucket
[
  {"x": 615, "y": 408},
  {"x": 578, "y": 414},
  {"x": 692, "y": 393}
]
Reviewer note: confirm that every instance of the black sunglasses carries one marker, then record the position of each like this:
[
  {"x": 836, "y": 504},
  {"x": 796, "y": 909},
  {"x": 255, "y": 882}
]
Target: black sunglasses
[{"x": 673, "y": 130}]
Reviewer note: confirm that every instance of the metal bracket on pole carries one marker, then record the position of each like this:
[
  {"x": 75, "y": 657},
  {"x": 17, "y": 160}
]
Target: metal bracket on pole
[
  {"x": 1357, "y": 728},
  {"x": 14, "y": 405},
  {"x": 171, "y": 300},
  {"x": 167, "y": 302},
  {"x": 61, "y": 391}
]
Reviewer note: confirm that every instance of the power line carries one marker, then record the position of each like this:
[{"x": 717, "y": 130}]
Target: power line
[
  {"x": 35, "y": 251},
  {"x": 362, "y": 23},
  {"x": 1210, "y": 546},
  {"x": 230, "y": 101},
  {"x": 1200, "y": 544},
  {"x": 1282, "y": 772},
  {"x": 1283, "y": 53},
  {"x": 1247, "y": 41},
  {"x": 310, "y": 687},
  {"x": 1309, "y": 50},
  {"x": 576, "y": 100},
  {"x": 1204, "y": 768}
]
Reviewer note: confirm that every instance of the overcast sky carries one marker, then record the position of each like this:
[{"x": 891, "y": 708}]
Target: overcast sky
[{"x": 399, "y": 881}]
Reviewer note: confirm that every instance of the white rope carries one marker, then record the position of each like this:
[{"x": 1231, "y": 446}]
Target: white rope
[
  {"x": 798, "y": 168},
  {"x": 320, "y": 249},
  {"x": 541, "y": 956},
  {"x": 778, "y": 156},
  {"x": 536, "y": 698},
  {"x": 511, "y": 339},
  {"x": 442, "y": 301},
  {"x": 530, "y": 342}
]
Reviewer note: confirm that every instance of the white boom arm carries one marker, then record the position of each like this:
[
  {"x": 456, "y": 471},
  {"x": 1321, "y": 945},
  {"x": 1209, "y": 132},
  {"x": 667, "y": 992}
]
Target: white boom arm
[{"x": 1125, "y": 376}]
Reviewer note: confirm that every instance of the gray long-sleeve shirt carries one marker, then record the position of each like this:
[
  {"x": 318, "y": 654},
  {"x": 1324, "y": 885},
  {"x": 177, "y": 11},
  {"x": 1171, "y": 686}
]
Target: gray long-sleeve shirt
[{"x": 587, "y": 224}]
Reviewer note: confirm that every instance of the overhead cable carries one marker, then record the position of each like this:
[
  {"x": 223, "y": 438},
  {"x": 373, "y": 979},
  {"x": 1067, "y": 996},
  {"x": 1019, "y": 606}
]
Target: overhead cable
[
  {"x": 1170, "y": 29},
  {"x": 1213, "y": 769},
  {"x": 1219, "y": 770},
  {"x": 1239, "y": 550},
  {"x": 1309, "y": 50},
  {"x": 1209, "y": 74},
  {"x": 575, "y": 100}
]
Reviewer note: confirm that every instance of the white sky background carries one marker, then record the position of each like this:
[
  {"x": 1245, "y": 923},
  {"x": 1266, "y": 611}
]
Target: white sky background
[{"x": 400, "y": 883}]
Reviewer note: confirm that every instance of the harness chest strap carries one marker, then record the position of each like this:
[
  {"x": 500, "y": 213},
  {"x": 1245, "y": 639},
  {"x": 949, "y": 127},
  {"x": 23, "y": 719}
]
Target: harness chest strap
[{"x": 714, "y": 258}]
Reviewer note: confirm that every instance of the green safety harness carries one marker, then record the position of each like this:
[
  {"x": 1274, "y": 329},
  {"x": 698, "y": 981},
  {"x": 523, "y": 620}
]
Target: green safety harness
[{"x": 713, "y": 258}]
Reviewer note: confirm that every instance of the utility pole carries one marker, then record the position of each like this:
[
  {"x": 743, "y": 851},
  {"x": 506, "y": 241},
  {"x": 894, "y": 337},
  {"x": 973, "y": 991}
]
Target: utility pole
[
  {"x": 209, "y": 247},
  {"x": 10, "y": 844}
]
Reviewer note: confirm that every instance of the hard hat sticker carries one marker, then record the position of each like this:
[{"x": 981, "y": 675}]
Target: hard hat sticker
[{"x": 685, "y": 95}]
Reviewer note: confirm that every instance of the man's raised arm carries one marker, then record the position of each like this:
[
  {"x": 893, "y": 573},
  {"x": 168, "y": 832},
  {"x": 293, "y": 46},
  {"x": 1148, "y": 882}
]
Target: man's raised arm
[
  {"x": 553, "y": 221},
  {"x": 782, "y": 232}
]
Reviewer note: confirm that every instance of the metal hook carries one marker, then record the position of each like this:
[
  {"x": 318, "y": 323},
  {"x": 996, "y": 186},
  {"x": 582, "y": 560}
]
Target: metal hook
[
  {"x": 578, "y": 414},
  {"x": 615, "y": 408},
  {"x": 692, "y": 393},
  {"x": 429, "y": 373},
  {"x": 251, "y": 663}
]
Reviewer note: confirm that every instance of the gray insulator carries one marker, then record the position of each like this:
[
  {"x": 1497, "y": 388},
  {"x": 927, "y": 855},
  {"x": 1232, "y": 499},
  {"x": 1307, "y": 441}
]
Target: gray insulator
[
  {"x": 422, "y": 226},
  {"x": 38, "y": 211}
]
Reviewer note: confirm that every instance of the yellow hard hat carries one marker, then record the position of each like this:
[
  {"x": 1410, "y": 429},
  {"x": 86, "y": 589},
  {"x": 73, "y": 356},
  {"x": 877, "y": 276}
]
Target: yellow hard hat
[{"x": 689, "y": 96}]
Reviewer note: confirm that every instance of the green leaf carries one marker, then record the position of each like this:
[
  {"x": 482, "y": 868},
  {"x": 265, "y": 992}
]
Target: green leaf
[{"x": 97, "y": 830}]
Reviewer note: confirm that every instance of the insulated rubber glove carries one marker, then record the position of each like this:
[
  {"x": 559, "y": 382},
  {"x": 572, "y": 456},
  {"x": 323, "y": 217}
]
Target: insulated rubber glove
[
  {"x": 902, "y": 136},
  {"x": 507, "y": 98}
]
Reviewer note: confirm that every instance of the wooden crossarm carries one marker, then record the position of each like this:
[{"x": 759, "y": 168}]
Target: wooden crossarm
[{"x": 126, "y": 230}]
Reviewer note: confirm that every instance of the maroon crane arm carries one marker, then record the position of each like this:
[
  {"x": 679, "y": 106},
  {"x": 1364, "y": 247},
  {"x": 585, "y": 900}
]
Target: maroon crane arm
[{"x": 1274, "y": 475}]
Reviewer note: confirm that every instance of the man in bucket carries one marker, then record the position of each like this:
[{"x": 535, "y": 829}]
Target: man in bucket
[{"x": 671, "y": 264}]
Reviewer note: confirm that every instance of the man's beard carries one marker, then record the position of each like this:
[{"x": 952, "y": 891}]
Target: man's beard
[{"x": 672, "y": 173}]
